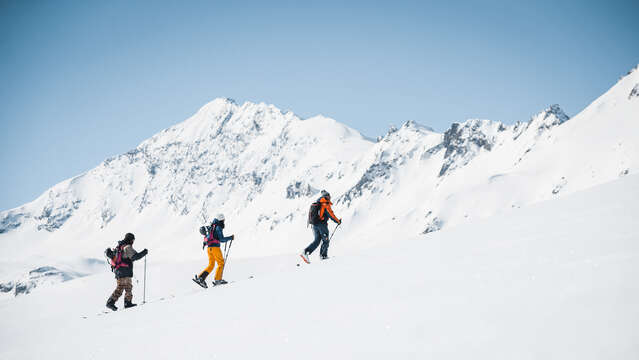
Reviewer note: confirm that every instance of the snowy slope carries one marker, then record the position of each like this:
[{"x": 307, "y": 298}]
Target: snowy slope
[
  {"x": 262, "y": 167},
  {"x": 555, "y": 280}
]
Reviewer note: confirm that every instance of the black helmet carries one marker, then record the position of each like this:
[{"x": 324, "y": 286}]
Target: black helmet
[
  {"x": 128, "y": 238},
  {"x": 326, "y": 194}
]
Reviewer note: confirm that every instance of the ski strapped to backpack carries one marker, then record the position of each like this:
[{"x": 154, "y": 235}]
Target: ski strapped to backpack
[{"x": 115, "y": 257}]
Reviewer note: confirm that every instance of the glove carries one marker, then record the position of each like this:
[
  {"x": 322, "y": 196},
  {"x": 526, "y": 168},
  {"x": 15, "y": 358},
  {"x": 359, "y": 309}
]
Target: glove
[
  {"x": 203, "y": 244},
  {"x": 339, "y": 222},
  {"x": 232, "y": 237},
  {"x": 139, "y": 255}
]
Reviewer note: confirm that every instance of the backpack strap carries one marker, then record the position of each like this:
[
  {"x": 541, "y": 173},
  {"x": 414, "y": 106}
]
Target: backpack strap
[{"x": 210, "y": 239}]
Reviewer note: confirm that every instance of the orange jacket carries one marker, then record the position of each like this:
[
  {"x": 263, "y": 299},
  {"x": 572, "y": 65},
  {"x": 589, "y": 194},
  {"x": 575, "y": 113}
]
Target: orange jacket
[{"x": 326, "y": 206}]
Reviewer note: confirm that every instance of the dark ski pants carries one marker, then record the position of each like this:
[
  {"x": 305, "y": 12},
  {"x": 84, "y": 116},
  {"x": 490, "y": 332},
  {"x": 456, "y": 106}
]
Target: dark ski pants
[
  {"x": 124, "y": 285},
  {"x": 321, "y": 235}
]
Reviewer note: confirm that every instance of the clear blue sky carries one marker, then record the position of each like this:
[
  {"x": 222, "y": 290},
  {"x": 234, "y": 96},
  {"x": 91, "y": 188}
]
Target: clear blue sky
[{"x": 84, "y": 80}]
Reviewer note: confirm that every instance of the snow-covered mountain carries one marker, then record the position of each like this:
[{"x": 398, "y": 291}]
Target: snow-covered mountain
[{"x": 262, "y": 167}]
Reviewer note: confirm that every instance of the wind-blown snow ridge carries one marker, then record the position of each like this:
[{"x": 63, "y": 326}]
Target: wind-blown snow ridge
[{"x": 262, "y": 167}]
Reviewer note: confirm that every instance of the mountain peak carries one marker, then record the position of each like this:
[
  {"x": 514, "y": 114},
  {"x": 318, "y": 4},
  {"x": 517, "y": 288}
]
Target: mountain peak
[
  {"x": 218, "y": 105},
  {"x": 464, "y": 141},
  {"x": 550, "y": 117},
  {"x": 408, "y": 127},
  {"x": 410, "y": 124},
  {"x": 558, "y": 112},
  {"x": 225, "y": 100},
  {"x": 221, "y": 101}
]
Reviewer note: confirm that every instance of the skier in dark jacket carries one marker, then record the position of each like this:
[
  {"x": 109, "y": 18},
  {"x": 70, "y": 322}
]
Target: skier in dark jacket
[
  {"x": 213, "y": 240},
  {"x": 126, "y": 255},
  {"x": 320, "y": 227}
]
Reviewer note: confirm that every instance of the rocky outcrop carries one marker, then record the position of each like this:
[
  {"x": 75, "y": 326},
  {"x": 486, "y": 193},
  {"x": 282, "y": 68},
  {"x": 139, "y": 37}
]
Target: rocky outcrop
[
  {"x": 12, "y": 220},
  {"x": 300, "y": 189},
  {"x": 37, "y": 277},
  {"x": 376, "y": 174},
  {"x": 462, "y": 142},
  {"x": 54, "y": 215}
]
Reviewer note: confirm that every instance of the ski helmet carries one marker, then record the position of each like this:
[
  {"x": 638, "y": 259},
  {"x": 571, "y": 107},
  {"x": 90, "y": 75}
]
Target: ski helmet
[
  {"x": 220, "y": 217},
  {"x": 326, "y": 194}
]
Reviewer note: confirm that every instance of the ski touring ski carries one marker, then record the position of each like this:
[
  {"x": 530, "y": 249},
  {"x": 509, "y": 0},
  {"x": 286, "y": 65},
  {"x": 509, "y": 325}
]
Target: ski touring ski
[{"x": 197, "y": 280}]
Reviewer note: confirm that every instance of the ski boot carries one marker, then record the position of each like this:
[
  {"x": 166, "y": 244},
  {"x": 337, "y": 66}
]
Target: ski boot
[
  {"x": 304, "y": 257},
  {"x": 111, "y": 305},
  {"x": 220, "y": 282},
  {"x": 128, "y": 304},
  {"x": 200, "y": 280}
]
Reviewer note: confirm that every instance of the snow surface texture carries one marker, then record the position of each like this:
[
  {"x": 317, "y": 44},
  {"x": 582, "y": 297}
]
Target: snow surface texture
[
  {"x": 556, "y": 280},
  {"x": 263, "y": 167}
]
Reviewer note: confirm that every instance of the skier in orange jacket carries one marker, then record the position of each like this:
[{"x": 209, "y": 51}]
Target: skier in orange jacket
[{"x": 318, "y": 217}]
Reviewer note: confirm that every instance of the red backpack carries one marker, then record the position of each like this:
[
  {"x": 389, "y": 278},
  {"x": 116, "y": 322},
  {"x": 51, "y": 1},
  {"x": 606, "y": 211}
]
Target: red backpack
[{"x": 114, "y": 257}]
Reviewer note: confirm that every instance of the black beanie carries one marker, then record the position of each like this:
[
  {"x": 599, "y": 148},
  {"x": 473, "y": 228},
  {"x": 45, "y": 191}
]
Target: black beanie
[{"x": 128, "y": 238}]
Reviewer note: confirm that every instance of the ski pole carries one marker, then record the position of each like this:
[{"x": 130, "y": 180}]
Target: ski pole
[
  {"x": 226, "y": 256},
  {"x": 329, "y": 240},
  {"x": 228, "y": 251},
  {"x": 144, "y": 292}
]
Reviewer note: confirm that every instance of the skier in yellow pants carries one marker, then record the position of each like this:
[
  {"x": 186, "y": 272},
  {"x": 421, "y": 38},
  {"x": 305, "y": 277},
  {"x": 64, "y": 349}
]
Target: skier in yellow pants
[
  {"x": 213, "y": 240},
  {"x": 215, "y": 256}
]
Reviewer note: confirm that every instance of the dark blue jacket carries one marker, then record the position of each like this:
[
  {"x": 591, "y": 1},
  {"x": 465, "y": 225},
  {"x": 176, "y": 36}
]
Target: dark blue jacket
[{"x": 215, "y": 236}]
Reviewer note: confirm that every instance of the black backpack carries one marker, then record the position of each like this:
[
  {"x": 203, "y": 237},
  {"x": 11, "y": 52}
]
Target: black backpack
[{"x": 313, "y": 213}]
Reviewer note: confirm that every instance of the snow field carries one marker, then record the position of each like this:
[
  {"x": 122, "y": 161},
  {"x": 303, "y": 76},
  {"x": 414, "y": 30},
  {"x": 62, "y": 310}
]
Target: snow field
[{"x": 555, "y": 280}]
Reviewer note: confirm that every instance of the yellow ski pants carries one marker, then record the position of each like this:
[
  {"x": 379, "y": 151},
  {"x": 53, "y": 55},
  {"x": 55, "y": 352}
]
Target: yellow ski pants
[{"x": 215, "y": 255}]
